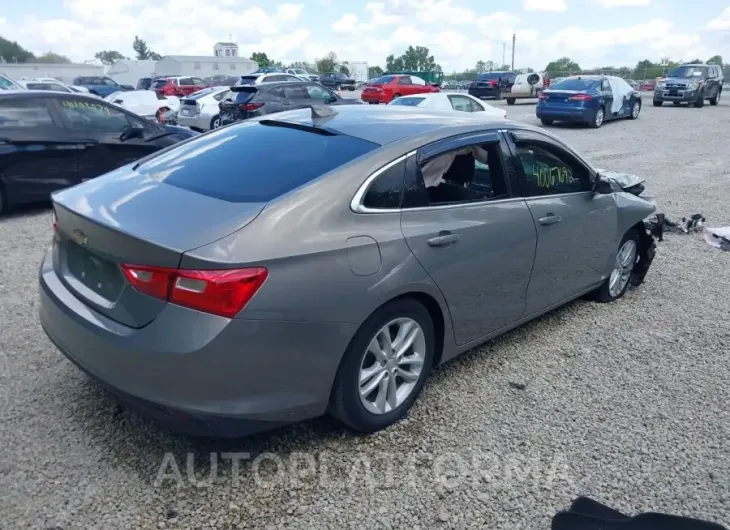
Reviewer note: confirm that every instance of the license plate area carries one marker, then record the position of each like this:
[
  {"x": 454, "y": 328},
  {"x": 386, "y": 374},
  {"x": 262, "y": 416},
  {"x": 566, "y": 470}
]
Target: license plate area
[{"x": 94, "y": 272}]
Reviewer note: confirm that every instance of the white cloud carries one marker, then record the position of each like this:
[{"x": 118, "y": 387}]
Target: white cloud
[
  {"x": 546, "y": 5},
  {"x": 408, "y": 35},
  {"x": 347, "y": 23},
  {"x": 626, "y": 3},
  {"x": 722, "y": 22}
]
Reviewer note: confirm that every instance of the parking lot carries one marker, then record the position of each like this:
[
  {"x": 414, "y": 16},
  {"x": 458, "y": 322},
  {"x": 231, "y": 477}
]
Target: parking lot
[{"x": 625, "y": 402}]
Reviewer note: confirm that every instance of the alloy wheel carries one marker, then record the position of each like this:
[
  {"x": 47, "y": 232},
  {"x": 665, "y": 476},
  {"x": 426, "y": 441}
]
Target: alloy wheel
[
  {"x": 391, "y": 366},
  {"x": 635, "y": 110},
  {"x": 599, "y": 117},
  {"x": 621, "y": 274}
]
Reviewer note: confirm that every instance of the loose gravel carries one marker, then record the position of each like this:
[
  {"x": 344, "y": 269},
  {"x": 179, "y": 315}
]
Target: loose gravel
[{"x": 626, "y": 402}]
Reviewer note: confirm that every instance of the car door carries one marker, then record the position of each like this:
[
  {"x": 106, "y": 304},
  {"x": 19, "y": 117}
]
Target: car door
[
  {"x": 101, "y": 125},
  {"x": 295, "y": 96},
  {"x": 713, "y": 81},
  {"x": 576, "y": 229},
  {"x": 404, "y": 86},
  {"x": 37, "y": 157},
  {"x": 471, "y": 235},
  {"x": 319, "y": 94},
  {"x": 607, "y": 94}
]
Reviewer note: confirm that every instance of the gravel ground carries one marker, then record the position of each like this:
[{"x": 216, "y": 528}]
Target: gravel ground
[{"x": 626, "y": 402}]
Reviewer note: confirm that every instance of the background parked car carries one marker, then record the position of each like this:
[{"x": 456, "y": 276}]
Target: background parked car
[
  {"x": 98, "y": 137},
  {"x": 388, "y": 87},
  {"x": 178, "y": 86},
  {"x": 148, "y": 104},
  {"x": 491, "y": 84},
  {"x": 451, "y": 102},
  {"x": 337, "y": 81},
  {"x": 222, "y": 80},
  {"x": 145, "y": 83},
  {"x": 276, "y": 77},
  {"x": 647, "y": 85},
  {"x": 250, "y": 101},
  {"x": 53, "y": 85},
  {"x": 7, "y": 83},
  {"x": 526, "y": 86},
  {"x": 300, "y": 72},
  {"x": 267, "y": 70},
  {"x": 101, "y": 86},
  {"x": 200, "y": 110}
]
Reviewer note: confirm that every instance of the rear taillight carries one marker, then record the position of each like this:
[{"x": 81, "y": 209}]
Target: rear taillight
[
  {"x": 54, "y": 224},
  {"x": 492, "y": 83},
  {"x": 219, "y": 292},
  {"x": 542, "y": 95},
  {"x": 546, "y": 81},
  {"x": 580, "y": 97},
  {"x": 250, "y": 107}
]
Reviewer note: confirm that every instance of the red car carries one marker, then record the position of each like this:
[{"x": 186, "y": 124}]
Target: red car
[
  {"x": 647, "y": 86},
  {"x": 388, "y": 87},
  {"x": 178, "y": 86}
]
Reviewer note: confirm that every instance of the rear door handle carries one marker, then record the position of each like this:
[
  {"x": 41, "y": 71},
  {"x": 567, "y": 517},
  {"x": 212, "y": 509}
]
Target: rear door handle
[
  {"x": 443, "y": 239},
  {"x": 550, "y": 219}
]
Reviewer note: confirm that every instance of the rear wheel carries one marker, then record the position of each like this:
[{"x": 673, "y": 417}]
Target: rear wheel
[
  {"x": 676, "y": 103},
  {"x": 510, "y": 101},
  {"x": 715, "y": 100},
  {"x": 215, "y": 122},
  {"x": 658, "y": 103},
  {"x": 635, "y": 110},
  {"x": 546, "y": 121},
  {"x": 598, "y": 118},
  {"x": 618, "y": 281},
  {"x": 384, "y": 367}
]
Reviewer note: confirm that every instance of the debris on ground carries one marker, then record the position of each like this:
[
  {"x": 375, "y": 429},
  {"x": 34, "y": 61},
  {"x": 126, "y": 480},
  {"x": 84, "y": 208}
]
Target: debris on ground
[{"x": 718, "y": 237}]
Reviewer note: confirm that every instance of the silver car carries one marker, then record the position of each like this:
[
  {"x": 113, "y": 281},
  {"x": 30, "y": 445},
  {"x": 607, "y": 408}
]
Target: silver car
[
  {"x": 324, "y": 261},
  {"x": 200, "y": 111}
]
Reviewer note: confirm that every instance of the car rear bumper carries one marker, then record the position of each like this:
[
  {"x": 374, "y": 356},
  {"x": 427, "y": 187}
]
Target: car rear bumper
[
  {"x": 199, "y": 121},
  {"x": 681, "y": 95},
  {"x": 565, "y": 114},
  {"x": 374, "y": 98},
  {"x": 196, "y": 372},
  {"x": 487, "y": 92}
]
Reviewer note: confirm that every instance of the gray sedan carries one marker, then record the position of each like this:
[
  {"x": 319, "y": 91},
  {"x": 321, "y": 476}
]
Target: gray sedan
[{"x": 324, "y": 261}]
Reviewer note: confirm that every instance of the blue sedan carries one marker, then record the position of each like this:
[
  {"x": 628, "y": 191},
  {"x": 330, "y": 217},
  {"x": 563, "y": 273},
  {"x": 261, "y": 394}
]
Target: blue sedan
[{"x": 588, "y": 99}]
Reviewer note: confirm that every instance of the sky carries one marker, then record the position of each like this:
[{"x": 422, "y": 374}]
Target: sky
[{"x": 458, "y": 32}]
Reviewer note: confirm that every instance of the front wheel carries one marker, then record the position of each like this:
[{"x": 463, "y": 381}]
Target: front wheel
[
  {"x": 598, "y": 118},
  {"x": 215, "y": 123},
  {"x": 384, "y": 367},
  {"x": 618, "y": 281},
  {"x": 510, "y": 101},
  {"x": 700, "y": 101},
  {"x": 635, "y": 110},
  {"x": 546, "y": 121},
  {"x": 716, "y": 99}
]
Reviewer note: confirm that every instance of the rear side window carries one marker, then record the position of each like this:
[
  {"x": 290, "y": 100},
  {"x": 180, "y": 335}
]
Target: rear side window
[
  {"x": 386, "y": 190},
  {"x": 159, "y": 83},
  {"x": 384, "y": 80},
  {"x": 23, "y": 113},
  {"x": 407, "y": 102},
  {"x": 253, "y": 162}
]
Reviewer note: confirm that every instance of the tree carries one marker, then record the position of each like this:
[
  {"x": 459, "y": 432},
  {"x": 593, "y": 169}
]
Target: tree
[
  {"x": 374, "y": 71},
  {"x": 716, "y": 59},
  {"x": 564, "y": 65},
  {"x": 344, "y": 69},
  {"x": 303, "y": 65},
  {"x": 12, "y": 52},
  {"x": 394, "y": 64},
  {"x": 51, "y": 58},
  {"x": 697, "y": 61},
  {"x": 143, "y": 51},
  {"x": 481, "y": 67},
  {"x": 261, "y": 59},
  {"x": 328, "y": 63},
  {"x": 109, "y": 57},
  {"x": 413, "y": 60}
]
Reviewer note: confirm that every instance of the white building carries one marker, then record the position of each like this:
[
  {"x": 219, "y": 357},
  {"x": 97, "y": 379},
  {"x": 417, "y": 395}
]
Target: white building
[
  {"x": 225, "y": 49},
  {"x": 358, "y": 70},
  {"x": 129, "y": 71},
  {"x": 63, "y": 72},
  {"x": 201, "y": 66}
]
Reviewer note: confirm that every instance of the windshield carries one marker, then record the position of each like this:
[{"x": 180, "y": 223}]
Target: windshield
[
  {"x": 407, "y": 102},
  {"x": 575, "y": 84},
  {"x": 689, "y": 71},
  {"x": 8, "y": 84}
]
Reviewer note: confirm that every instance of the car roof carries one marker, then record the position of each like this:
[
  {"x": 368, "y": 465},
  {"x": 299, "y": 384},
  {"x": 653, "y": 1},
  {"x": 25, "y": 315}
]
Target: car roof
[
  {"x": 384, "y": 124},
  {"x": 45, "y": 94}
]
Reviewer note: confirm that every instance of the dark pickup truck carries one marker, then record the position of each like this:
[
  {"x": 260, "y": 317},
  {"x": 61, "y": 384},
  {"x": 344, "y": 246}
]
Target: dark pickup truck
[
  {"x": 336, "y": 81},
  {"x": 692, "y": 84}
]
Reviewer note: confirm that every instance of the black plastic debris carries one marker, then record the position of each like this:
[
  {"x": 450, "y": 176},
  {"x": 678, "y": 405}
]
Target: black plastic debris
[{"x": 587, "y": 514}]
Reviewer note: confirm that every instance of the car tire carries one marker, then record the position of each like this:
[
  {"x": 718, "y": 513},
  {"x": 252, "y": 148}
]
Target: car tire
[
  {"x": 546, "y": 121},
  {"x": 676, "y": 103},
  {"x": 716, "y": 99},
  {"x": 598, "y": 118},
  {"x": 350, "y": 401},
  {"x": 215, "y": 122},
  {"x": 510, "y": 101},
  {"x": 619, "y": 280},
  {"x": 658, "y": 103},
  {"x": 635, "y": 110},
  {"x": 700, "y": 101}
]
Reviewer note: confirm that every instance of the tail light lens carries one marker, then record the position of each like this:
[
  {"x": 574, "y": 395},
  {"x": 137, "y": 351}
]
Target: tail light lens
[
  {"x": 546, "y": 81},
  {"x": 581, "y": 97},
  {"x": 54, "y": 224},
  {"x": 219, "y": 292},
  {"x": 492, "y": 83},
  {"x": 542, "y": 96},
  {"x": 250, "y": 107}
]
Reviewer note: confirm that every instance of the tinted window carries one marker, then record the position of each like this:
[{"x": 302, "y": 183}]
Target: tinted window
[
  {"x": 91, "y": 116},
  {"x": 575, "y": 84},
  {"x": 490, "y": 76},
  {"x": 404, "y": 80},
  {"x": 407, "y": 102},
  {"x": 185, "y": 81},
  {"x": 295, "y": 92},
  {"x": 317, "y": 92},
  {"x": 253, "y": 162},
  {"x": 221, "y": 95},
  {"x": 550, "y": 172},
  {"x": 384, "y": 80},
  {"x": 144, "y": 83},
  {"x": 24, "y": 113},
  {"x": 688, "y": 71},
  {"x": 247, "y": 79},
  {"x": 159, "y": 83},
  {"x": 385, "y": 191},
  {"x": 198, "y": 82},
  {"x": 108, "y": 81}
]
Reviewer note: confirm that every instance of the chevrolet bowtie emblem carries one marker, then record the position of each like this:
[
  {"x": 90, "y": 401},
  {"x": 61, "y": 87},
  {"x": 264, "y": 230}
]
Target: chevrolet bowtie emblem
[{"x": 80, "y": 237}]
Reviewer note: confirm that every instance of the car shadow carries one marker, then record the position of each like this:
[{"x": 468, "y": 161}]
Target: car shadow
[{"x": 26, "y": 210}]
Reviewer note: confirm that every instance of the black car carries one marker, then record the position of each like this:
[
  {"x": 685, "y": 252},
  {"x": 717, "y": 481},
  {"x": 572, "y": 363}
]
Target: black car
[
  {"x": 492, "y": 84},
  {"x": 52, "y": 140},
  {"x": 222, "y": 80},
  {"x": 145, "y": 83},
  {"x": 337, "y": 81},
  {"x": 251, "y": 101},
  {"x": 690, "y": 83}
]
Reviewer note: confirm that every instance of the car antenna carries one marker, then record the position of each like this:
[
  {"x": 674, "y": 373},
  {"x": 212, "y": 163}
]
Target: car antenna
[{"x": 320, "y": 113}]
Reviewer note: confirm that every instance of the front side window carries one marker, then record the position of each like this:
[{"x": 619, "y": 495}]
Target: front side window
[
  {"x": 550, "y": 172},
  {"x": 109, "y": 82},
  {"x": 185, "y": 81},
  {"x": 386, "y": 190},
  {"x": 24, "y": 113},
  {"x": 90, "y": 116},
  {"x": 460, "y": 103},
  {"x": 319, "y": 93}
]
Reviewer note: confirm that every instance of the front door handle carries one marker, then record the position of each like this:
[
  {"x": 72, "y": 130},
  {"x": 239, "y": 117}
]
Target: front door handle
[
  {"x": 550, "y": 219},
  {"x": 443, "y": 239}
]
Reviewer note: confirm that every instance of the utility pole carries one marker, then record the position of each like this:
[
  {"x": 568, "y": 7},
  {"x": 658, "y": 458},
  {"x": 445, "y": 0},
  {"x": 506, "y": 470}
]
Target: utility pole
[
  {"x": 514, "y": 38},
  {"x": 504, "y": 49}
]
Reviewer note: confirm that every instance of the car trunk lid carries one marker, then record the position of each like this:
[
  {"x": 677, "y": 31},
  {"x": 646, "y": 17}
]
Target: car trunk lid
[{"x": 125, "y": 217}]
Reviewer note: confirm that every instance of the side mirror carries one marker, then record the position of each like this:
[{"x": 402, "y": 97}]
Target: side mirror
[
  {"x": 131, "y": 132},
  {"x": 601, "y": 185}
]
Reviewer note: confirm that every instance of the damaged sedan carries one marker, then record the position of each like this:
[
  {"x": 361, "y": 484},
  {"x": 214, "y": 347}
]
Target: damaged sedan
[{"x": 404, "y": 238}]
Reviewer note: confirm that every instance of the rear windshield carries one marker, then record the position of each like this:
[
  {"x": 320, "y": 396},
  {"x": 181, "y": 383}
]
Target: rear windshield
[
  {"x": 407, "y": 102},
  {"x": 247, "y": 79},
  {"x": 490, "y": 76},
  {"x": 384, "y": 80},
  {"x": 201, "y": 93},
  {"x": 575, "y": 84},
  {"x": 158, "y": 83},
  {"x": 252, "y": 162}
]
